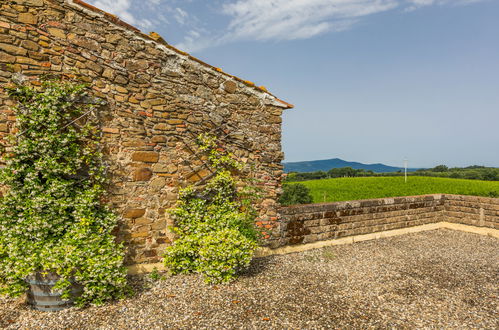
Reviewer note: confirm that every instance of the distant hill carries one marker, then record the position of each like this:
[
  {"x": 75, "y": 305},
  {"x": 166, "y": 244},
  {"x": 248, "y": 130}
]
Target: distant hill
[{"x": 327, "y": 164}]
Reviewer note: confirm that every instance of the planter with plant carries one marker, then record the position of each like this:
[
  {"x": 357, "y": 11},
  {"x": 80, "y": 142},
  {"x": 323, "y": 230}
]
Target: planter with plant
[{"x": 53, "y": 222}]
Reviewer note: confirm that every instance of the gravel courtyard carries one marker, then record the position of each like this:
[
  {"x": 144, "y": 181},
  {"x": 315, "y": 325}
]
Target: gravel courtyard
[{"x": 438, "y": 278}]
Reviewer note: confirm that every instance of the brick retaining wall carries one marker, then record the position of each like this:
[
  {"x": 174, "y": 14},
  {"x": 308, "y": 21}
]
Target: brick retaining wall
[
  {"x": 317, "y": 222},
  {"x": 472, "y": 210}
]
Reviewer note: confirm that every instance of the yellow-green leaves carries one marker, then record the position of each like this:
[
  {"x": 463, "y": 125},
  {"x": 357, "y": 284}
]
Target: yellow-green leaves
[
  {"x": 51, "y": 218},
  {"x": 215, "y": 225}
]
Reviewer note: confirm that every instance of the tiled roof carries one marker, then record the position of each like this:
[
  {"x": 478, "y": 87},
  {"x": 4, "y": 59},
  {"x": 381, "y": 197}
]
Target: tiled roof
[{"x": 158, "y": 39}]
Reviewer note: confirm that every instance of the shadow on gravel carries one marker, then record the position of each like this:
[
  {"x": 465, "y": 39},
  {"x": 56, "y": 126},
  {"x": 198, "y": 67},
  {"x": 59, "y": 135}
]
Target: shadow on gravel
[{"x": 257, "y": 266}]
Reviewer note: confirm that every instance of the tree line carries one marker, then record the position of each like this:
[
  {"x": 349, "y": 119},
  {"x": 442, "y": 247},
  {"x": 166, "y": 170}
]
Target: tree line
[{"x": 474, "y": 172}]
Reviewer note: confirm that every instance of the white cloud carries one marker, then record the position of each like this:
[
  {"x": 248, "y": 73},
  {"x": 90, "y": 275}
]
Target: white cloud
[
  {"x": 257, "y": 19},
  {"x": 297, "y": 19},
  {"x": 120, "y": 8},
  {"x": 180, "y": 16},
  {"x": 416, "y": 4}
]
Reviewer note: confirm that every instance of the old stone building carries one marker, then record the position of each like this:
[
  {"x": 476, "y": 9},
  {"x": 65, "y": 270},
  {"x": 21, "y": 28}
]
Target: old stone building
[{"x": 158, "y": 99}]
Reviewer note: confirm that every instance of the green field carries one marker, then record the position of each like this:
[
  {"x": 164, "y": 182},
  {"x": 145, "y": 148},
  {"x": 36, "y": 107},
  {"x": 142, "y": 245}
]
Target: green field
[{"x": 344, "y": 189}]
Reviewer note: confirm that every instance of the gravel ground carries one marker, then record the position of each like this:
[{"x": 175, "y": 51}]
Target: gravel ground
[{"x": 434, "y": 279}]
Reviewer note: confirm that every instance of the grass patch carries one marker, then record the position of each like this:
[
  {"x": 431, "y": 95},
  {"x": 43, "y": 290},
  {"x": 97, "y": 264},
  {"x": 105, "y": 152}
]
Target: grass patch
[{"x": 344, "y": 189}]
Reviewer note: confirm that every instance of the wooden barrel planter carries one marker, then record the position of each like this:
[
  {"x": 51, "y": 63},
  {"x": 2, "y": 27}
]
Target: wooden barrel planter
[{"x": 42, "y": 298}]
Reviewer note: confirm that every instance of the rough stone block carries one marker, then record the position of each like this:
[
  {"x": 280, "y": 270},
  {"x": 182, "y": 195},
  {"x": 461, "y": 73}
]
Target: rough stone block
[
  {"x": 142, "y": 221},
  {"x": 230, "y": 86},
  {"x": 14, "y": 50},
  {"x": 34, "y": 3},
  {"x": 7, "y": 58},
  {"x": 140, "y": 234},
  {"x": 58, "y": 33},
  {"x": 111, "y": 130},
  {"x": 27, "y": 18},
  {"x": 134, "y": 213},
  {"x": 145, "y": 156},
  {"x": 142, "y": 174},
  {"x": 31, "y": 45}
]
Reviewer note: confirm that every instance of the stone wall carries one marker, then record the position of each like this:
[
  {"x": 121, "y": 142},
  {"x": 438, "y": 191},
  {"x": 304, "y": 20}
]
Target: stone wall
[
  {"x": 317, "y": 222},
  {"x": 158, "y": 100},
  {"x": 472, "y": 210}
]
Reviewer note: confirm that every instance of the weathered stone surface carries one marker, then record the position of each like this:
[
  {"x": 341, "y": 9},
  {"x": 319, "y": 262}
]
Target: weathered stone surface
[
  {"x": 135, "y": 65},
  {"x": 27, "y": 18},
  {"x": 134, "y": 213},
  {"x": 175, "y": 121},
  {"x": 230, "y": 86},
  {"x": 145, "y": 156},
  {"x": 7, "y": 58},
  {"x": 86, "y": 43},
  {"x": 142, "y": 174},
  {"x": 34, "y": 3},
  {"x": 58, "y": 33},
  {"x": 94, "y": 67},
  {"x": 111, "y": 130},
  {"x": 121, "y": 79},
  {"x": 31, "y": 45},
  {"x": 159, "y": 139},
  {"x": 14, "y": 50},
  {"x": 27, "y": 60},
  {"x": 113, "y": 38},
  {"x": 158, "y": 183},
  {"x": 164, "y": 168}
]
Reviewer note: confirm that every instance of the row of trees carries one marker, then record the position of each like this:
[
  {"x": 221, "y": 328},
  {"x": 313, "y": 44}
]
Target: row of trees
[
  {"x": 471, "y": 172},
  {"x": 332, "y": 173}
]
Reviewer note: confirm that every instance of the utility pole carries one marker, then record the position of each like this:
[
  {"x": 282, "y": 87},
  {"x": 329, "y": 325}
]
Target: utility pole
[{"x": 405, "y": 169}]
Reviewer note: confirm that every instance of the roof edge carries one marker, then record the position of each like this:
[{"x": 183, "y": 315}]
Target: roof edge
[{"x": 156, "y": 38}]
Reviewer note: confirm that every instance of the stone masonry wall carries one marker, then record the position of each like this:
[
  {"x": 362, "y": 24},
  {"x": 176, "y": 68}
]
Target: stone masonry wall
[
  {"x": 472, "y": 210},
  {"x": 317, "y": 222},
  {"x": 158, "y": 100}
]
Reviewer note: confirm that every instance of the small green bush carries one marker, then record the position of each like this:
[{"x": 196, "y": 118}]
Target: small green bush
[
  {"x": 216, "y": 234},
  {"x": 295, "y": 193}
]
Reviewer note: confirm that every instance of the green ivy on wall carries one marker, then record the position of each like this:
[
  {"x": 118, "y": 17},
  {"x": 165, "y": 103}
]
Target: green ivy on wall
[
  {"x": 51, "y": 215},
  {"x": 215, "y": 225}
]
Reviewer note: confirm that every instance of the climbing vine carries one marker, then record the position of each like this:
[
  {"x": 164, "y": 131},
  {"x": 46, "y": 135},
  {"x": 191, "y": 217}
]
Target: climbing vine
[
  {"x": 52, "y": 218},
  {"x": 214, "y": 225}
]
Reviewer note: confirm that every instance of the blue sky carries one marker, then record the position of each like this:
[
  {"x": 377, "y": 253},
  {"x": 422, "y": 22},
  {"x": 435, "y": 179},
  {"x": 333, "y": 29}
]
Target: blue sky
[{"x": 371, "y": 80}]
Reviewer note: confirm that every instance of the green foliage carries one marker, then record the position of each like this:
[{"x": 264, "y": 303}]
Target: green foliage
[
  {"x": 216, "y": 235},
  {"x": 440, "y": 168},
  {"x": 51, "y": 216},
  {"x": 155, "y": 275},
  {"x": 340, "y": 172},
  {"x": 344, "y": 189},
  {"x": 295, "y": 194},
  {"x": 471, "y": 172}
]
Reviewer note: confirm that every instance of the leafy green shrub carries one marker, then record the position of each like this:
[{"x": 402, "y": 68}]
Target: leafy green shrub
[
  {"x": 51, "y": 216},
  {"x": 440, "y": 168},
  {"x": 216, "y": 235},
  {"x": 295, "y": 193}
]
